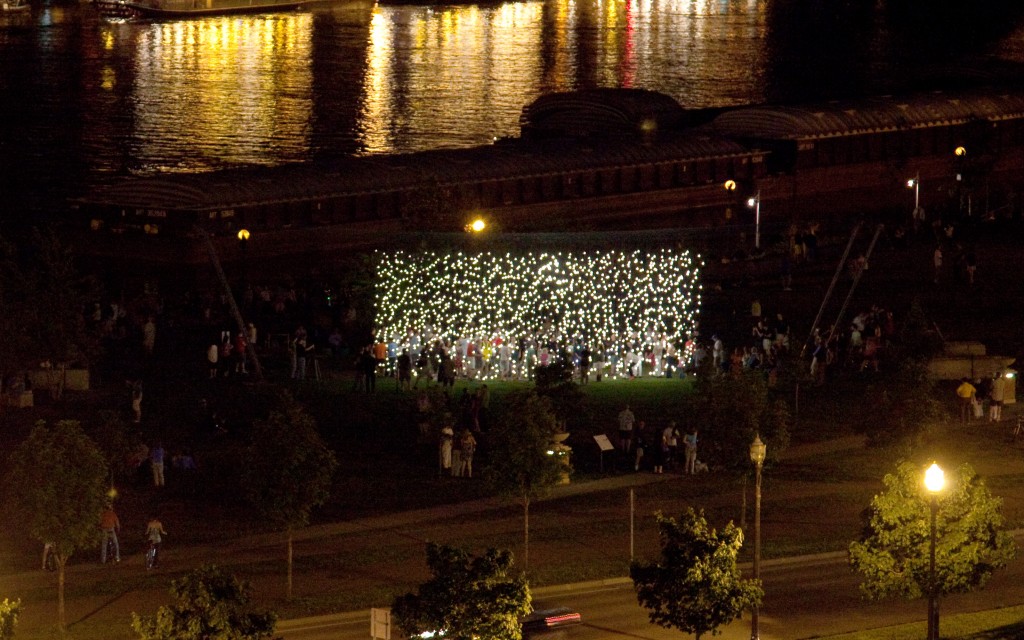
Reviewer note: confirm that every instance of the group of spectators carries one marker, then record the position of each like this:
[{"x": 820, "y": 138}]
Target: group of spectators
[
  {"x": 972, "y": 398},
  {"x": 656, "y": 448},
  {"x": 861, "y": 346},
  {"x": 424, "y": 355}
]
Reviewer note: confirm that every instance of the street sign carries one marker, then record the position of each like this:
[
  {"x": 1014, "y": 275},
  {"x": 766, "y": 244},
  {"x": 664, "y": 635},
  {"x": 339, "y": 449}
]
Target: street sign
[{"x": 380, "y": 624}]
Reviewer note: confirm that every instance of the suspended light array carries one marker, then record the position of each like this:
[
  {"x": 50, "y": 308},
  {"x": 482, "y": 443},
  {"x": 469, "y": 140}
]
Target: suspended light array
[{"x": 609, "y": 300}]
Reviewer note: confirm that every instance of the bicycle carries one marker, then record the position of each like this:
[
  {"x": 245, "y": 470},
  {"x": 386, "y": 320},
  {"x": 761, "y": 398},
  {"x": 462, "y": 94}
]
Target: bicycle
[
  {"x": 154, "y": 533},
  {"x": 49, "y": 558},
  {"x": 112, "y": 555},
  {"x": 152, "y": 555}
]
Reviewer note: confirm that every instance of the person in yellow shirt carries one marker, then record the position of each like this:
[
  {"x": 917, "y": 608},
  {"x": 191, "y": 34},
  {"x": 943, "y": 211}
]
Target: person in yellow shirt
[{"x": 965, "y": 396}]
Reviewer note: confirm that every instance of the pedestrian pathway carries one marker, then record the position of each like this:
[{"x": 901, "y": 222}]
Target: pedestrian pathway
[{"x": 258, "y": 548}]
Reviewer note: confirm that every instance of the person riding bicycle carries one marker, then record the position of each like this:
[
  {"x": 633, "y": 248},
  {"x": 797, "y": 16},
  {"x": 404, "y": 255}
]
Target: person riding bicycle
[
  {"x": 154, "y": 532},
  {"x": 49, "y": 557},
  {"x": 109, "y": 524}
]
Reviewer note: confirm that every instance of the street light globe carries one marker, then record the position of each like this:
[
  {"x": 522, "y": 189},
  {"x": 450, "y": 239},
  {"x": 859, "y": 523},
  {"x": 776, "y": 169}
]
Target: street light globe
[
  {"x": 730, "y": 185},
  {"x": 751, "y": 202},
  {"x": 934, "y": 478},
  {"x": 243, "y": 234},
  {"x": 911, "y": 183},
  {"x": 960, "y": 151},
  {"x": 758, "y": 450}
]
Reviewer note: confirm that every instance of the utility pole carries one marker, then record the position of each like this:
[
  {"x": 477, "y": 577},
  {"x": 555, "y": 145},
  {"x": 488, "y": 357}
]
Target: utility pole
[{"x": 250, "y": 352}]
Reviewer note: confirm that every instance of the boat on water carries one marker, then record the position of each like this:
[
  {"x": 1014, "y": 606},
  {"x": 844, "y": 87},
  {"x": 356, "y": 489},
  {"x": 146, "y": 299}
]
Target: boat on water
[
  {"x": 14, "y": 5},
  {"x": 195, "y": 8}
]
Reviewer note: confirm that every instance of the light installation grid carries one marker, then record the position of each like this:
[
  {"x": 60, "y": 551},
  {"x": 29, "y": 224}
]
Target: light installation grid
[{"x": 611, "y": 299}]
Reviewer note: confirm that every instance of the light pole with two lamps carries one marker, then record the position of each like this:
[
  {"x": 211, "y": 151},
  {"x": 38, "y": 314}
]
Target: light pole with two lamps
[
  {"x": 754, "y": 203},
  {"x": 758, "y": 450},
  {"x": 934, "y": 481}
]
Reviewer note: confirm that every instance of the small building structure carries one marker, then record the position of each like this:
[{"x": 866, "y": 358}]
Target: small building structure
[{"x": 969, "y": 359}]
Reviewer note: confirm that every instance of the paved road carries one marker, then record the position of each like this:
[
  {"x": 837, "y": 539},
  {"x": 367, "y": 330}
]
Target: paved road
[{"x": 806, "y": 597}]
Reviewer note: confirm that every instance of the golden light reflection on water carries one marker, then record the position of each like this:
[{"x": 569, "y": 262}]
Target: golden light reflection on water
[
  {"x": 463, "y": 74},
  {"x": 432, "y": 71},
  {"x": 223, "y": 91},
  {"x": 214, "y": 92}
]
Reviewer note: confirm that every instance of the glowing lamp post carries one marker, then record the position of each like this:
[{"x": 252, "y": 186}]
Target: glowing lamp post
[
  {"x": 243, "y": 241},
  {"x": 755, "y": 204},
  {"x": 757, "y": 453},
  {"x": 934, "y": 481},
  {"x": 960, "y": 153},
  {"x": 915, "y": 184}
]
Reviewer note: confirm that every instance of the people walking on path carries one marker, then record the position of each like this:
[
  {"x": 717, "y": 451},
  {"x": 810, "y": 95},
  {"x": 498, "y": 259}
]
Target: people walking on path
[
  {"x": 49, "y": 557},
  {"x": 445, "y": 449},
  {"x": 110, "y": 525},
  {"x": 212, "y": 355},
  {"x": 971, "y": 264},
  {"x": 660, "y": 450},
  {"x": 149, "y": 335},
  {"x": 154, "y": 534},
  {"x": 996, "y": 397},
  {"x": 300, "y": 351},
  {"x": 690, "y": 446},
  {"x": 965, "y": 394},
  {"x": 468, "y": 446},
  {"x": 156, "y": 463},
  {"x": 136, "y": 394},
  {"x": 626, "y": 419},
  {"x": 404, "y": 371},
  {"x": 671, "y": 438}
]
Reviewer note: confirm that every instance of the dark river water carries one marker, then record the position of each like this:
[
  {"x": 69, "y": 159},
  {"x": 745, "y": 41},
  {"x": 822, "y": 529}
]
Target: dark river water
[{"x": 84, "y": 99}]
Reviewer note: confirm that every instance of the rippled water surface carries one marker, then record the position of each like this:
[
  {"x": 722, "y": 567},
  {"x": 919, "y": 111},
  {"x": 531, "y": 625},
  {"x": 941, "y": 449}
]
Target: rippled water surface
[{"x": 83, "y": 99}]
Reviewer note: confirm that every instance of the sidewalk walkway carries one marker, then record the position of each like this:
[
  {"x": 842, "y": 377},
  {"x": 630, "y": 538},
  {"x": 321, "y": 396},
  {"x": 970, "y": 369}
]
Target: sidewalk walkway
[{"x": 122, "y": 589}]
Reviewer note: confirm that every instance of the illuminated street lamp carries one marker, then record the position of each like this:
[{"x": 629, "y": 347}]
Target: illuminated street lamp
[
  {"x": 755, "y": 204},
  {"x": 243, "y": 241},
  {"x": 934, "y": 481},
  {"x": 918, "y": 214},
  {"x": 915, "y": 184},
  {"x": 757, "y": 453},
  {"x": 476, "y": 225}
]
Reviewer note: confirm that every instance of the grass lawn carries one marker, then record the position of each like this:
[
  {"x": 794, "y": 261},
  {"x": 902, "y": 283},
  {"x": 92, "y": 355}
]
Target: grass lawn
[
  {"x": 386, "y": 470},
  {"x": 811, "y": 503},
  {"x": 995, "y": 624}
]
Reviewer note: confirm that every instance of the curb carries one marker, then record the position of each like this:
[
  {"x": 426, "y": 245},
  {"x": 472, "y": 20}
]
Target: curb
[
  {"x": 359, "y": 615},
  {"x": 363, "y": 615}
]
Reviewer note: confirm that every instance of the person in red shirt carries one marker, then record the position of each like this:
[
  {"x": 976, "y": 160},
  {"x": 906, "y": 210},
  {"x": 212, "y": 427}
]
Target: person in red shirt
[
  {"x": 240, "y": 345},
  {"x": 110, "y": 525},
  {"x": 380, "y": 351}
]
